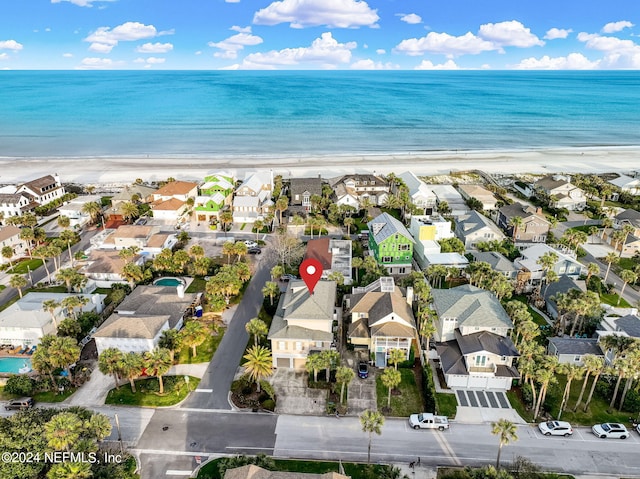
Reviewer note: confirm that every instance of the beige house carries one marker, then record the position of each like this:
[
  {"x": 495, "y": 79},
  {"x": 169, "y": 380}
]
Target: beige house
[
  {"x": 480, "y": 193},
  {"x": 562, "y": 193},
  {"x": 303, "y": 323},
  {"x": 381, "y": 319},
  {"x": 170, "y": 201},
  {"x": 534, "y": 227},
  {"x": 105, "y": 267},
  {"x": 148, "y": 238},
  {"x": 10, "y": 236}
]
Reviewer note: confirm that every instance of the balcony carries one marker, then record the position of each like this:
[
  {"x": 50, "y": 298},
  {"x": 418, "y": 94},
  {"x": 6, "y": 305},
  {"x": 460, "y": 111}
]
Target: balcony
[{"x": 489, "y": 370}]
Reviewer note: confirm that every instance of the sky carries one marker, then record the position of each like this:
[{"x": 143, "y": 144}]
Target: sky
[{"x": 320, "y": 34}]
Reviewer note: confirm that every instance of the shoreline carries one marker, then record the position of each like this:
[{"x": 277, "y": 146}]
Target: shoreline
[{"x": 125, "y": 169}]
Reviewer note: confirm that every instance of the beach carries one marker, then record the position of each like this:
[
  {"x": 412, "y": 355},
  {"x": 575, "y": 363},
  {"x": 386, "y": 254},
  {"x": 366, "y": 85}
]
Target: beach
[{"x": 122, "y": 170}]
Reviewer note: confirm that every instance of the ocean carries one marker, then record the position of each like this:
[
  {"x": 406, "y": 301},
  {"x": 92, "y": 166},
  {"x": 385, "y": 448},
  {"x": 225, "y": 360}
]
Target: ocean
[{"x": 290, "y": 113}]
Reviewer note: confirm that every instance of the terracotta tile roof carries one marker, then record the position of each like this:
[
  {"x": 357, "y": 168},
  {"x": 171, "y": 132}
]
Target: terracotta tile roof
[
  {"x": 169, "y": 205},
  {"x": 254, "y": 472},
  {"x": 319, "y": 249},
  {"x": 176, "y": 188},
  {"x": 133, "y": 231},
  {"x": 102, "y": 261},
  {"x": 157, "y": 240}
]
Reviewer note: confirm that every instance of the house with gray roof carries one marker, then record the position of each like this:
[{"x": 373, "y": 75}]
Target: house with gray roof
[
  {"x": 353, "y": 190},
  {"x": 498, "y": 262},
  {"x": 534, "y": 227},
  {"x": 381, "y": 319},
  {"x": 391, "y": 244},
  {"x": 301, "y": 190},
  {"x": 474, "y": 228},
  {"x": 627, "y": 184},
  {"x": 421, "y": 195},
  {"x": 302, "y": 324},
  {"x": 570, "y": 350},
  {"x": 473, "y": 345},
  {"x": 564, "y": 284},
  {"x": 561, "y": 192}
]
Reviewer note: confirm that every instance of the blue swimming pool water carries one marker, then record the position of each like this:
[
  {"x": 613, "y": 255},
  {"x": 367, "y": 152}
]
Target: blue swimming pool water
[
  {"x": 168, "y": 282},
  {"x": 13, "y": 365}
]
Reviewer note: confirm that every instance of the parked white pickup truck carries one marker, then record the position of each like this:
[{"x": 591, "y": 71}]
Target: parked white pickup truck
[{"x": 427, "y": 420}]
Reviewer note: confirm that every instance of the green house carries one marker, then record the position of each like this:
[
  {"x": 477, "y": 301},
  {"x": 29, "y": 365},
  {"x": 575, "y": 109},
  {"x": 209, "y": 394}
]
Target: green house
[
  {"x": 391, "y": 244},
  {"x": 215, "y": 194}
]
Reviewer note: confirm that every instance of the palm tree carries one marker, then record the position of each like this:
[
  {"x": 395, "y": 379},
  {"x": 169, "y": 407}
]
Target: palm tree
[
  {"x": 258, "y": 225},
  {"x": 270, "y": 289},
  {"x": 281, "y": 205},
  {"x": 7, "y": 253},
  {"x": 427, "y": 328},
  {"x": 18, "y": 281},
  {"x": 228, "y": 249},
  {"x": 626, "y": 231},
  {"x": 258, "y": 328},
  {"x": 356, "y": 264},
  {"x": 194, "y": 334},
  {"x": 43, "y": 253},
  {"x": 158, "y": 362},
  {"x": 98, "y": 426},
  {"x": 41, "y": 360},
  {"x": 592, "y": 364},
  {"x": 129, "y": 211},
  {"x": 63, "y": 430},
  {"x": 622, "y": 367},
  {"x": 313, "y": 365},
  {"x": 395, "y": 356},
  {"x": 371, "y": 421},
  {"x": 93, "y": 209},
  {"x": 593, "y": 231},
  {"x": 610, "y": 259},
  {"x": 592, "y": 268},
  {"x": 515, "y": 222},
  {"x": 73, "y": 302},
  {"x": 196, "y": 251},
  {"x": 627, "y": 276},
  {"x": 171, "y": 340},
  {"x": 573, "y": 372},
  {"x": 239, "y": 249},
  {"x": 109, "y": 362},
  {"x": 63, "y": 221},
  {"x": 344, "y": 376},
  {"x": 506, "y": 432},
  {"x": 259, "y": 364},
  {"x": 70, "y": 470},
  {"x": 132, "y": 273},
  {"x": 226, "y": 218},
  {"x": 390, "y": 378},
  {"x": 131, "y": 366},
  {"x": 348, "y": 222},
  {"x": 68, "y": 237},
  {"x": 50, "y": 305},
  {"x": 545, "y": 375},
  {"x": 64, "y": 351},
  {"x": 67, "y": 275},
  {"x": 276, "y": 272}
]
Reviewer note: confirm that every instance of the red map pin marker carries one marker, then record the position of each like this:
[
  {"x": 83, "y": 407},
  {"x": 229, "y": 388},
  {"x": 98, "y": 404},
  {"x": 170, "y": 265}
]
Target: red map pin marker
[{"x": 311, "y": 272}]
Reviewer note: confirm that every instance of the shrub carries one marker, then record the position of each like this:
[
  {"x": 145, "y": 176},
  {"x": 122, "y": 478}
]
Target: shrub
[
  {"x": 267, "y": 387},
  {"x": 409, "y": 362},
  {"x": 269, "y": 404},
  {"x": 527, "y": 394},
  {"x": 20, "y": 385},
  {"x": 632, "y": 401},
  {"x": 429, "y": 389}
]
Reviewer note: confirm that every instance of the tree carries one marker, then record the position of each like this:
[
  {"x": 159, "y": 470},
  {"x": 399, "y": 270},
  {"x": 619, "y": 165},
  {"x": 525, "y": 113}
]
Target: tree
[
  {"x": 194, "y": 334},
  {"x": 42, "y": 360},
  {"x": 239, "y": 249},
  {"x": 224, "y": 284},
  {"x": 180, "y": 260},
  {"x": 281, "y": 205},
  {"x": 515, "y": 222},
  {"x": 92, "y": 209},
  {"x": 63, "y": 430},
  {"x": 43, "y": 253},
  {"x": 592, "y": 268},
  {"x": 132, "y": 273},
  {"x": 129, "y": 211},
  {"x": 592, "y": 364},
  {"x": 7, "y": 253},
  {"x": 70, "y": 470},
  {"x": 109, "y": 362},
  {"x": 69, "y": 327},
  {"x": 593, "y": 231},
  {"x": 371, "y": 421},
  {"x": 427, "y": 328},
  {"x": 18, "y": 281},
  {"x": 68, "y": 237},
  {"x": 73, "y": 302},
  {"x": 196, "y": 251},
  {"x": 626, "y": 231},
  {"x": 257, "y": 328},
  {"x": 627, "y": 276},
  {"x": 610, "y": 259},
  {"x": 64, "y": 351},
  {"x": 259, "y": 364},
  {"x": 131, "y": 366},
  {"x": 98, "y": 426},
  {"x": 395, "y": 356},
  {"x": 348, "y": 222},
  {"x": 344, "y": 376},
  {"x": 356, "y": 264},
  {"x": 158, "y": 362},
  {"x": 171, "y": 340},
  {"x": 572, "y": 372},
  {"x": 69, "y": 276},
  {"x": 257, "y": 226},
  {"x": 506, "y": 432},
  {"x": 298, "y": 221},
  {"x": 276, "y": 272},
  {"x": 313, "y": 365},
  {"x": 451, "y": 245},
  {"x": 390, "y": 378},
  {"x": 63, "y": 221},
  {"x": 228, "y": 249},
  {"x": 545, "y": 375},
  {"x": 329, "y": 360},
  {"x": 337, "y": 277},
  {"x": 226, "y": 218},
  {"x": 270, "y": 289}
]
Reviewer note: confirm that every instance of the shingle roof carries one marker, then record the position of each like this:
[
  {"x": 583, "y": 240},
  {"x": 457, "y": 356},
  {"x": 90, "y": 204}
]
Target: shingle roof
[
  {"x": 319, "y": 249},
  {"x": 176, "y": 188},
  {"x": 451, "y": 358},
  {"x": 139, "y": 327},
  {"x": 630, "y": 324},
  {"x": 563, "y": 285},
  {"x": 172, "y": 204},
  {"x": 299, "y": 304},
  {"x": 157, "y": 300},
  {"x": 128, "y": 191},
  {"x": 254, "y": 472},
  {"x": 523, "y": 211},
  {"x": 630, "y": 216},
  {"x": 485, "y": 341},
  {"x": 105, "y": 261},
  {"x": 379, "y": 305},
  {"x": 471, "y": 306},
  {"x": 385, "y": 225},
  {"x": 474, "y": 221},
  {"x": 300, "y": 185},
  {"x": 40, "y": 183},
  {"x": 497, "y": 261},
  {"x": 569, "y": 345},
  {"x": 9, "y": 231}
]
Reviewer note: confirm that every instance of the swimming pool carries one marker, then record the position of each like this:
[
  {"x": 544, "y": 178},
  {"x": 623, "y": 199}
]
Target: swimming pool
[
  {"x": 14, "y": 365},
  {"x": 168, "y": 282}
]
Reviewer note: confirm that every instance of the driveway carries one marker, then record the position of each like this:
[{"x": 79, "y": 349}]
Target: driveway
[
  {"x": 92, "y": 393},
  {"x": 479, "y": 406},
  {"x": 294, "y": 397},
  {"x": 361, "y": 394}
]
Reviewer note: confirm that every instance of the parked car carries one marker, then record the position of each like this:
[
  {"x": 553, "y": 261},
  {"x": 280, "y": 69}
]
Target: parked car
[
  {"x": 427, "y": 420},
  {"x": 363, "y": 370},
  {"x": 21, "y": 403},
  {"x": 287, "y": 277},
  {"x": 250, "y": 244},
  {"x": 555, "y": 428},
  {"x": 254, "y": 250},
  {"x": 637, "y": 428},
  {"x": 610, "y": 430}
]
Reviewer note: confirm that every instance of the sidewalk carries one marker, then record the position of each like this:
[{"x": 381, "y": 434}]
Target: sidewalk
[{"x": 93, "y": 392}]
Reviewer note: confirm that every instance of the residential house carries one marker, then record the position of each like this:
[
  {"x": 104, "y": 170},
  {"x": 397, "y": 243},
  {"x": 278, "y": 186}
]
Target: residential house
[
  {"x": 10, "y": 236},
  {"x": 13, "y": 204},
  {"x": 303, "y": 323},
  {"x": 427, "y": 230},
  {"x": 534, "y": 227},
  {"x": 381, "y": 319},
  {"x": 170, "y": 201},
  {"x": 137, "y": 323},
  {"x": 498, "y": 262},
  {"x": 215, "y": 195},
  {"x": 254, "y": 472},
  {"x": 353, "y": 190},
  {"x": 448, "y": 194},
  {"x": 24, "y": 322},
  {"x": 474, "y": 228},
  {"x": 561, "y": 193},
  {"x": 252, "y": 198},
  {"x": 628, "y": 217},
  {"x": 627, "y": 184},
  {"x": 480, "y": 193},
  {"x": 631, "y": 244},
  {"x": 148, "y": 239},
  {"x": 18, "y": 199},
  {"x": 421, "y": 195},
  {"x": 130, "y": 193},
  {"x": 617, "y": 323},
  {"x": 570, "y": 350},
  {"x": 564, "y": 284},
  {"x": 391, "y": 244},
  {"x": 301, "y": 190},
  {"x": 334, "y": 256},
  {"x": 472, "y": 331},
  {"x": 105, "y": 267},
  {"x": 74, "y": 210},
  {"x": 449, "y": 260},
  {"x": 565, "y": 265}
]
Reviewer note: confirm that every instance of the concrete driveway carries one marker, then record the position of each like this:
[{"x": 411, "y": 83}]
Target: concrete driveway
[
  {"x": 362, "y": 394},
  {"x": 294, "y": 397}
]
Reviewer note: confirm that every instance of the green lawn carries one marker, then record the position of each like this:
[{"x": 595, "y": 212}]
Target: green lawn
[
  {"x": 2, "y": 287},
  {"x": 175, "y": 390},
  {"x": 408, "y": 402},
  {"x": 627, "y": 263},
  {"x": 612, "y": 299},
  {"x": 204, "y": 352},
  {"x": 53, "y": 396},
  {"x": 446, "y": 404},
  {"x": 50, "y": 289},
  {"x": 537, "y": 317},
  {"x": 196, "y": 286},
  {"x": 22, "y": 267}
]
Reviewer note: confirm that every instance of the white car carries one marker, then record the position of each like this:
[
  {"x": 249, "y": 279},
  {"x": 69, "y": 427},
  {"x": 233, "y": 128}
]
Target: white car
[
  {"x": 555, "y": 428},
  {"x": 250, "y": 244},
  {"x": 610, "y": 430}
]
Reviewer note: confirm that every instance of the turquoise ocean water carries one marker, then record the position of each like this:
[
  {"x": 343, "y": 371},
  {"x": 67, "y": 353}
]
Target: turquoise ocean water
[{"x": 122, "y": 113}]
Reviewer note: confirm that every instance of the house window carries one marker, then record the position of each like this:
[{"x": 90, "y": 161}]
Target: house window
[
  {"x": 282, "y": 345},
  {"x": 481, "y": 361},
  {"x": 402, "y": 270},
  {"x": 576, "y": 359},
  {"x": 318, "y": 344},
  {"x": 387, "y": 259},
  {"x": 562, "y": 269},
  {"x": 403, "y": 247},
  {"x": 504, "y": 358},
  {"x": 299, "y": 345}
]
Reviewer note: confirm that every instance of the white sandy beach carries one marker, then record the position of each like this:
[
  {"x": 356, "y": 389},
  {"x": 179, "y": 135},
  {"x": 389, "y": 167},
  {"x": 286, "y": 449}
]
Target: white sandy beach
[{"x": 115, "y": 170}]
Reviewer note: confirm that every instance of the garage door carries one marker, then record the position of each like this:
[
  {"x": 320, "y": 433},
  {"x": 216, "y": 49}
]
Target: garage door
[
  {"x": 283, "y": 363},
  {"x": 479, "y": 382},
  {"x": 298, "y": 363}
]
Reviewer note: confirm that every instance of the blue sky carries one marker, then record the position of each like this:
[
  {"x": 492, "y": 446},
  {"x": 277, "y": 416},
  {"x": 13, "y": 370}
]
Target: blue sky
[{"x": 320, "y": 34}]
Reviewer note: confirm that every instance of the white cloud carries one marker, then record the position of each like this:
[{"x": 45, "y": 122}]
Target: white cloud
[
  {"x": 325, "y": 52},
  {"x": 311, "y": 13},
  {"x": 445, "y": 44},
  {"x": 199, "y": 52},
  {"x": 511, "y": 33},
  {"x": 10, "y": 45},
  {"x": 47, "y": 29},
  {"x": 155, "y": 60},
  {"x": 618, "y": 53},
  {"x": 573, "y": 61},
  {"x": 67, "y": 55},
  {"x": 93, "y": 63},
  {"x": 410, "y": 18},
  {"x": 369, "y": 64},
  {"x": 105, "y": 38},
  {"x": 232, "y": 1},
  {"x": 613, "y": 27},
  {"x": 139, "y": 60},
  {"x": 4, "y": 56},
  {"x": 236, "y": 28},
  {"x": 155, "y": 48},
  {"x": 81, "y": 3},
  {"x": 427, "y": 65},
  {"x": 235, "y": 43},
  {"x": 381, "y": 51},
  {"x": 554, "y": 33}
]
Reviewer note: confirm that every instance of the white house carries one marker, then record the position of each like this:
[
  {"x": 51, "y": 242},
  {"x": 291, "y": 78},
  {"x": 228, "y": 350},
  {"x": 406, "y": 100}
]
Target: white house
[
  {"x": 10, "y": 236},
  {"x": 565, "y": 265},
  {"x": 252, "y": 198},
  {"x": 448, "y": 194},
  {"x": 148, "y": 239},
  {"x": 353, "y": 190},
  {"x": 73, "y": 210},
  {"x": 562, "y": 193},
  {"x": 481, "y": 194},
  {"x": 18, "y": 199},
  {"x": 627, "y": 184},
  {"x": 105, "y": 267},
  {"x": 427, "y": 230},
  {"x": 170, "y": 201},
  {"x": 421, "y": 195},
  {"x": 474, "y": 228}
]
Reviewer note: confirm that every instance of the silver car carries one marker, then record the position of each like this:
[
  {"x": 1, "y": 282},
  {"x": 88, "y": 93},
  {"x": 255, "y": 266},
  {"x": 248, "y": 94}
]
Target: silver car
[
  {"x": 610, "y": 430},
  {"x": 555, "y": 428}
]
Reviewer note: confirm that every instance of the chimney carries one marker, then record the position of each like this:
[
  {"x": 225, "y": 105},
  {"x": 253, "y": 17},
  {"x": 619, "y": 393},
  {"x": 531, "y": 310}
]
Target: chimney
[
  {"x": 180, "y": 290},
  {"x": 410, "y": 295},
  {"x": 538, "y": 210}
]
